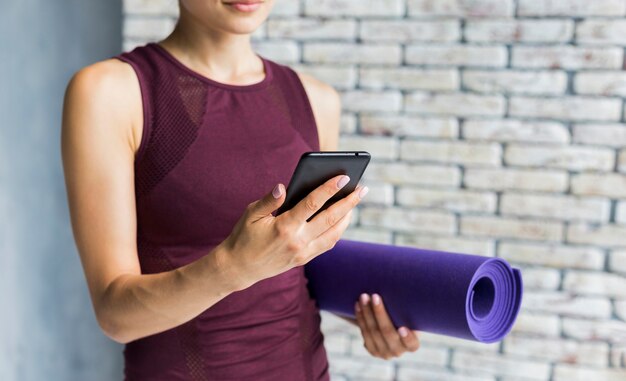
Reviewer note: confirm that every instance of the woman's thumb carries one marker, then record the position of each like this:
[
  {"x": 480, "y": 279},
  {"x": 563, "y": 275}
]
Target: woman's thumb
[{"x": 271, "y": 201}]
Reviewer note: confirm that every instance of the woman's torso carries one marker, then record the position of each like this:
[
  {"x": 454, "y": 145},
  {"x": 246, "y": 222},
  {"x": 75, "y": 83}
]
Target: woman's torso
[{"x": 207, "y": 150}]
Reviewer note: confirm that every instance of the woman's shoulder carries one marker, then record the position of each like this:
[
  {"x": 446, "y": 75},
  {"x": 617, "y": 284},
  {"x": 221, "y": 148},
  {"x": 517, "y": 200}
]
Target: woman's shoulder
[
  {"x": 103, "y": 78},
  {"x": 106, "y": 90},
  {"x": 326, "y": 105}
]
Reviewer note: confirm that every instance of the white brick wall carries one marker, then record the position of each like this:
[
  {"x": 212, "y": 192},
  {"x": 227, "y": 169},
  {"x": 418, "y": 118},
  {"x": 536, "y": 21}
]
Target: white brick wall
[{"x": 498, "y": 128}]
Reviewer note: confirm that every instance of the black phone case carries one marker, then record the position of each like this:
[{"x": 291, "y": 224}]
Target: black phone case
[{"x": 316, "y": 167}]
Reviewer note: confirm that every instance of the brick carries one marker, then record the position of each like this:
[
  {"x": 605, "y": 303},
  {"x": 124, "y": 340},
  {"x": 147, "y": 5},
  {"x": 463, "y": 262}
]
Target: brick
[
  {"x": 574, "y": 108},
  {"x": 371, "y": 100},
  {"x": 566, "y": 57},
  {"x": 410, "y": 30},
  {"x": 600, "y": 134},
  {"x": 541, "y": 279},
  {"x": 338, "y": 76},
  {"x": 516, "y": 81},
  {"x": 620, "y": 309},
  {"x": 284, "y": 8},
  {"x": 456, "y": 55},
  {"x": 571, "y": 8},
  {"x": 379, "y": 193},
  {"x": 378, "y": 146},
  {"x": 601, "y": 235},
  {"x": 620, "y": 213},
  {"x": 148, "y": 28},
  {"x": 513, "y": 31},
  {"x": 601, "y": 31},
  {"x": 563, "y": 372},
  {"x": 311, "y": 28},
  {"x": 618, "y": 356},
  {"x": 150, "y": 7},
  {"x": 368, "y": 235},
  {"x": 419, "y": 174},
  {"x": 500, "y": 365},
  {"x": 447, "y": 243},
  {"x": 464, "y": 104},
  {"x": 558, "y": 350},
  {"x": 347, "y": 53},
  {"x": 488, "y": 226},
  {"x": 406, "y": 125},
  {"x": 421, "y": 373},
  {"x": 600, "y": 83},
  {"x": 337, "y": 344},
  {"x": 408, "y": 220},
  {"x": 351, "y": 8},
  {"x": 599, "y": 184},
  {"x": 436, "y": 340},
  {"x": 511, "y": 130},
  {"x": 555, "y": 207},
  {"x": 333, "y": 324},
  {"x": 284, "y": 52},
  {"x": 260, "y": 33},
  {"x": 622, "y": 161},
  {"x": 451, "y": 152},
  {"x": 516, "y": 179},
  {"x": 408, "y": 78},
  {"x": 617, "y": 261},
  {"x": 451, "y": 200},
  {"x": 429, "y": 356},
  {"x": 612, "y": 331},
  {"x": 373, "y": 369},
  {"x": 347, "y": 123},
  {"x": 575, "y": 158},
  {"x": 461, "y": 8},
  {"x": 131, "y": 43},
  {"x": 536, "y": 325},
  {"x": 595, "y": 283},
  {"x": 336, "y": 376},
  {"x": 571, "y": 257},
  {"x": 565, "y": 304}
]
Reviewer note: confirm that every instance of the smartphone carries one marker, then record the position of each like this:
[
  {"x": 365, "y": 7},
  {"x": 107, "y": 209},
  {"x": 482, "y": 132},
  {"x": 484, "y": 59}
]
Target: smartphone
[{"x": 316, "y": 167}]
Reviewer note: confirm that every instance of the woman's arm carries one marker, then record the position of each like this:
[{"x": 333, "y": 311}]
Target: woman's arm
[{"x": 102, "y": 120}]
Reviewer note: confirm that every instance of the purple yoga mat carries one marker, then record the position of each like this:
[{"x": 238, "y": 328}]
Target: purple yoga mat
[{"x": 466, "y": 296}]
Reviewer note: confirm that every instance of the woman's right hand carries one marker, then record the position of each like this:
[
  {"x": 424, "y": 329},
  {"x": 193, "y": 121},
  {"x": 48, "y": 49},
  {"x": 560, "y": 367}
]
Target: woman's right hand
[{"x": 262, "y": 245}]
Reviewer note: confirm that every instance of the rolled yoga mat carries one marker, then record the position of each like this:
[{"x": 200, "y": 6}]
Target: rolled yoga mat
[{"x": 465, "y": 296}]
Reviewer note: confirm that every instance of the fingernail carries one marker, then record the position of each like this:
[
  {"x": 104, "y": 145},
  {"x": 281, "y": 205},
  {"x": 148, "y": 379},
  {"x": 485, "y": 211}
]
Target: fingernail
[
  {"x": 343, "y": 181},
  {"x": 277, "y": 192},
  {"x": 363, "y": 191},
  {"x": 403, "y": 332},
  {"x": 376, "y": 299},
  {"x": 364, "y": 298},
  {"x": 358, "y": 308}
]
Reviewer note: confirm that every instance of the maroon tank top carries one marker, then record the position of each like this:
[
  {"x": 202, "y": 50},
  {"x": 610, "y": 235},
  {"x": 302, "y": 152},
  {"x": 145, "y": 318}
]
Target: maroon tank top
[{"x": 208, "y": 150}]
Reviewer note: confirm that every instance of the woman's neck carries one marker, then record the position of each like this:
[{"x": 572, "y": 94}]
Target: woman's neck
[{"x": 223, "y": 56}]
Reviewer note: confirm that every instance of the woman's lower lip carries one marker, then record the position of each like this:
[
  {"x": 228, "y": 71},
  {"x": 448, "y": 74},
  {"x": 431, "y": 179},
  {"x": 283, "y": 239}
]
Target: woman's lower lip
[{"x": 243, "y": 7}]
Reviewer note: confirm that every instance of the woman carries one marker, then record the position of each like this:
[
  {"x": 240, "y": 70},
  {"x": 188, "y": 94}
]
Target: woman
[{"x": 169, "y": 154}]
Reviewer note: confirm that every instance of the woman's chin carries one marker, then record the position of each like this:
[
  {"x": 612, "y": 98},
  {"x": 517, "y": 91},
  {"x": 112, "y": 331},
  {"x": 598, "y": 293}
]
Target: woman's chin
[{"x": 242, "y": 22}]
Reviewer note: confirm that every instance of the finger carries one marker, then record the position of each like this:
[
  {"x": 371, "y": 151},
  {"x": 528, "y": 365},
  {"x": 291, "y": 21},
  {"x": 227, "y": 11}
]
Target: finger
[
  {"x": 329, "y": 216},
  {"x": 372, "y": 326},
  {"x": 368, "y": 342},
  {"x": 387, "y": 329},
  {"x": 269, "y": 203},
  {"x": 310, "y": 204},
  {"x": 329, "y": 238},
  {"x": 409, "y": 339}
]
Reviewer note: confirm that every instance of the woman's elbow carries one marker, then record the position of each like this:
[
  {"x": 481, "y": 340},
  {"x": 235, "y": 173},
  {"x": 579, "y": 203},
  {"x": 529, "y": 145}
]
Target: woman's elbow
[{"x": 113, "y": 329}]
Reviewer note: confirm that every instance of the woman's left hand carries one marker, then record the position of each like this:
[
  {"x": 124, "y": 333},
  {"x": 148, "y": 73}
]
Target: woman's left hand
[{"x": 380, "y": 337}]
